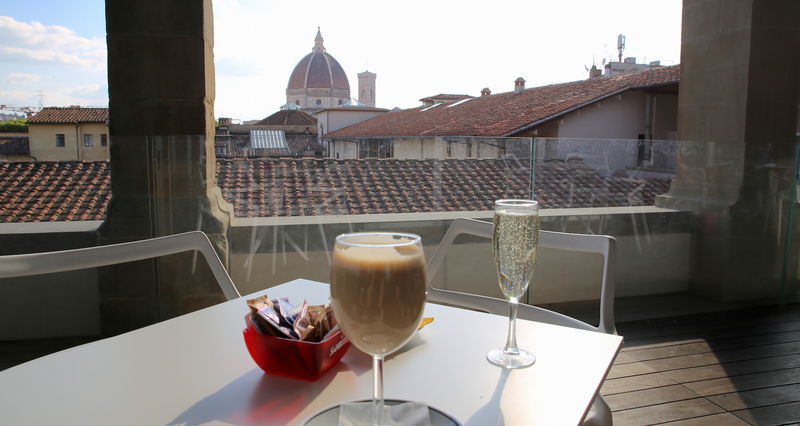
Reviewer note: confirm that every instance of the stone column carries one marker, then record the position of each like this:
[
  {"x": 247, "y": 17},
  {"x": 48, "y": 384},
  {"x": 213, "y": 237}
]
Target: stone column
[
  {"x": 161, "y": 99},
  {"x": 737, "y": 118}
]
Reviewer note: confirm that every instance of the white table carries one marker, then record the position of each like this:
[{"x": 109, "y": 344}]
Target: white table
[{"x": 195, "y": 369}]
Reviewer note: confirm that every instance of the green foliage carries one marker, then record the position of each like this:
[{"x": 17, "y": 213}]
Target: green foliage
[{"x": 13, "y": 126}]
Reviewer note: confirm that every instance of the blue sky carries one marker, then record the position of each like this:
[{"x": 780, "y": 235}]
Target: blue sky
[
  {"x": 86, "y": 17},
  {"x": 57, "y": 47}
]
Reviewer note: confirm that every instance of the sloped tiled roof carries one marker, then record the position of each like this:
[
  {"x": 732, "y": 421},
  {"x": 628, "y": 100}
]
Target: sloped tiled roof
[
  {"x": 59, "y": 191},
  {"x": 54, "y": 191},
  {"x": 504, "y": 114},
  {"x": 69, "y": 115},
  {"x": 289, "y": 118},
  {"x": 306, "y": 187}
]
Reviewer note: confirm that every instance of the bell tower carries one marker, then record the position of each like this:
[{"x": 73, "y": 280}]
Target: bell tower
[{"x": 366, "y": 88}]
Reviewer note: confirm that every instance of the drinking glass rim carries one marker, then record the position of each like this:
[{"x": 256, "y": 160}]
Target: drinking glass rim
[
  {"x": 413, "y": 239},
  {"x": 516, "y": 202}
]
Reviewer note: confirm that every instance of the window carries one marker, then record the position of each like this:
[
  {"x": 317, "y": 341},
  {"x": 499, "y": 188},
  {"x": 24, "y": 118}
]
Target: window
[
  {"x": 319, "y": 102},
  {"x": 60, "y": 140},
  {"x": 87, "y": 140},
  {"x": 103, "y": 139}
]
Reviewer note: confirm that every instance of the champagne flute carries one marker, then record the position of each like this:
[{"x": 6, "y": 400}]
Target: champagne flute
[
  {"x": 378, "y": 295},
  {"x": 514, "y": 243}
]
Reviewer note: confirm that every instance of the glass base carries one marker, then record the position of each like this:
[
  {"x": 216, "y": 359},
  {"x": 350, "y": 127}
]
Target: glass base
[
  {"x": 330, "y": 415},
  {"x": 501, "y": 358}
]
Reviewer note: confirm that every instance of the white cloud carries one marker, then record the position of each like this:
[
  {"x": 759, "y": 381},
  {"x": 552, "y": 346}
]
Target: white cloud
[
  {"x": 81, "y": 95},
  {"x": 18, "y": 77},
  {"x": 26, "y": 42}
]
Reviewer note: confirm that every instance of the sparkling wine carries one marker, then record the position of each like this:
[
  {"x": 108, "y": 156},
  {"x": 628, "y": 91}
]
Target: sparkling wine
[{"x": 516, "y": 237}]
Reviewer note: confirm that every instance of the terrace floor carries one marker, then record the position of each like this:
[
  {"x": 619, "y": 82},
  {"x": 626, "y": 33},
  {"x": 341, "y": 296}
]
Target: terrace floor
[{"x": 725, "y": 368}]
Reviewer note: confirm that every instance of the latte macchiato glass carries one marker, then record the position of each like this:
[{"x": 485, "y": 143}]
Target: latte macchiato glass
[{"x": 378, "y": 294}]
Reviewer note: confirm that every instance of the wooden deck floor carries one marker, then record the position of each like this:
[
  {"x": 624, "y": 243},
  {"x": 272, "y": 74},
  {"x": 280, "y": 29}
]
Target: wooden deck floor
[{"x": 728, "y": 368}]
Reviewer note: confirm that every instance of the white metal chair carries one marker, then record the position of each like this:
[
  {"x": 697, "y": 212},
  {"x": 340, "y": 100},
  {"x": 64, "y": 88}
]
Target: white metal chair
[
  {"x": 600, "y": 413},
  {"x": 20, "y": 265}
]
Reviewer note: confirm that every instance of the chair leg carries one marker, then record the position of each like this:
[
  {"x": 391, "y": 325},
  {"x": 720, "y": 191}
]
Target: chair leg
[{"x": 599, "y": 414}]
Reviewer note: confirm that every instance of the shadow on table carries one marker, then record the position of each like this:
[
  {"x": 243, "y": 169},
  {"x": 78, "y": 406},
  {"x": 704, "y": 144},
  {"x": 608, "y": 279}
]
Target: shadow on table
[
  {"x": 490, "y": 414},
  {"x": 258, "y": 398}
]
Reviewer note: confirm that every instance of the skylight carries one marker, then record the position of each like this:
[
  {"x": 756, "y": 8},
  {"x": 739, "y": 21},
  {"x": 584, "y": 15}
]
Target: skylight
[
  {"x": 459, "y": 102},
  {"x": 432, "y": 106}
]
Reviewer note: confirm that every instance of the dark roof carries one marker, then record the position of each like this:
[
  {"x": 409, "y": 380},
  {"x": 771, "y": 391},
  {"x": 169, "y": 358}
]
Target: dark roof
[
  {"x": 239, "y": 146},
  {"x": 69, "y": 115},
  {"x": 504, "y": 114},
  {"x": 14, "y": 145},
  {"x": 56, "y": 191},
  {"x": 289, "y": 118}
]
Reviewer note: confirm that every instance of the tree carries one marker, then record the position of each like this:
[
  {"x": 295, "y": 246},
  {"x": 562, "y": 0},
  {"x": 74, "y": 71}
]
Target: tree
[{"x": 14, "y": 126}]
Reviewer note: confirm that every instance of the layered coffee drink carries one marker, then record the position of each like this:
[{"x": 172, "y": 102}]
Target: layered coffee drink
[{"x": 378, "y": 289}]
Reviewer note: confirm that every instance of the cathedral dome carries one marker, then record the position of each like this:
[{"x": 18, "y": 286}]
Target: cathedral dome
[{"x": 318, "y": 69}]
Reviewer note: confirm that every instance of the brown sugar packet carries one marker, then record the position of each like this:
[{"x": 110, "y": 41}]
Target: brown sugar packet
[
  {"x": 302, "y": 322},
  {"x": 268, "y": 318},
  {"x": 308, "y": 333},
  {"x": 331, "y": 316},
  {"x": 319, "y": 319}
]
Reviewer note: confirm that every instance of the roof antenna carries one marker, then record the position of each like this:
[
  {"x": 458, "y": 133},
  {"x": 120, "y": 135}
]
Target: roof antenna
[{"x": 620, "y": 45}]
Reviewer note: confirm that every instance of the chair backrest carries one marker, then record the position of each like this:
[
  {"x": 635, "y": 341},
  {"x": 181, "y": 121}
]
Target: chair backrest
[
  {"x": 91, "y": 257},
  {"x": 601, "y": 244}
]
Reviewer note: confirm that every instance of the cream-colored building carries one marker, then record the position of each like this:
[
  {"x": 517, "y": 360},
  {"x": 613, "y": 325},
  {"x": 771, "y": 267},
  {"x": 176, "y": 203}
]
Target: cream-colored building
[
  {"x": 417, "y": 147},
  {"x": 69, "y": 134}
]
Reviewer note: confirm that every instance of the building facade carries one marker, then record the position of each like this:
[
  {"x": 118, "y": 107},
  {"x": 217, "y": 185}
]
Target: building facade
[{"x": 69, "y": 134}]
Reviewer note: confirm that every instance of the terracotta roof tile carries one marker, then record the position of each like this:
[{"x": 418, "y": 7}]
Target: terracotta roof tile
[
  {"x": 69, "y": 115},
  {"x": 289, "y": 117},
  {"x": 504, "y": 113},
  {"x": 54, "y": 191},
  {"x": 67, "y": 191}
]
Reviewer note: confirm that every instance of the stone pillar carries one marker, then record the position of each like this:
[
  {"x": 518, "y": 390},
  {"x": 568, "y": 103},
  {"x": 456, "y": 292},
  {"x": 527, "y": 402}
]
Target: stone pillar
[
  {"x": 737, "y": 118},
  {"x": 161, "y": 98}
]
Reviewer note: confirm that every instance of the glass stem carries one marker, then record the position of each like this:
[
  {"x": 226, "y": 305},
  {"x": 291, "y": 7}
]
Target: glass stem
[
  {"x": 511, "y": 342},
  {"x": 377, "y": 388}
]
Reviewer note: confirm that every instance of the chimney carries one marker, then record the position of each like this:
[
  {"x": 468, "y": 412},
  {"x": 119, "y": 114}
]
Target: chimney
[
  {"x": 485, "y": 91},
  {"x": 595, "y": 72},
  {"x": 630, "y": 60},
  {"x": 519, "y": 85}
]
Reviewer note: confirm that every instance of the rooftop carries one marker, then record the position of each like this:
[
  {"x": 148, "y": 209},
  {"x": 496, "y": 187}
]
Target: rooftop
[
  {"x": 287, "y": 117},
  {"x": 266, "y": 187},
  {"x": 69, "y": 115},
  {"x": 505, "y": 114}
]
